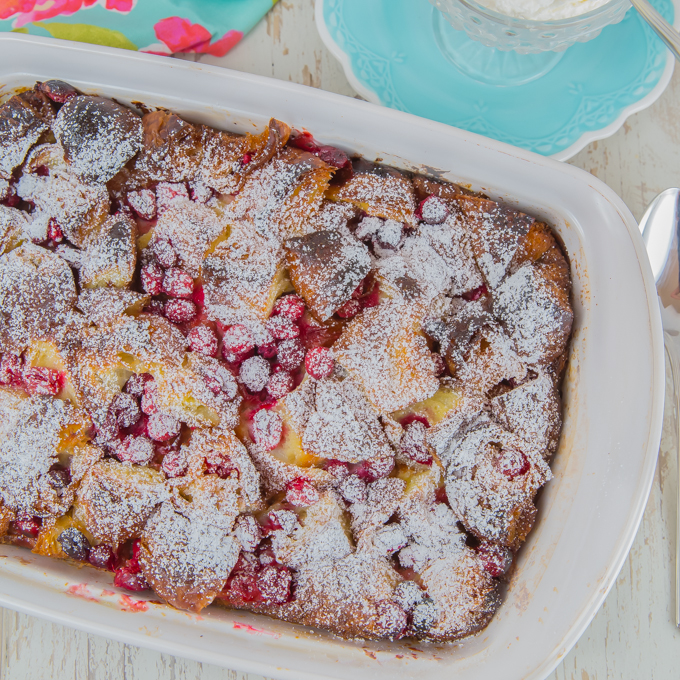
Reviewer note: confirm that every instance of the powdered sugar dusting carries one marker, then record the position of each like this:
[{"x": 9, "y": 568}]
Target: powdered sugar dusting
[
  {"x": 20, "y": 129},
  {"x": 29, "y": 450},
  {"x": 491, "y": 504},
  {"x": 532, "y": 311},
  {"x": 533, "y": 412},
  {"x": 343, "y": 425},
  {"x": 37, "y": 292},
  {"x": 191, "y": 228},
  {"x": 78, "y": 208},
  {"x": 98, "y": 136},
  {"x": 245, "y": 452},
  {"x": 326, "y": 267},
  {"x": 384, "y": 354}
]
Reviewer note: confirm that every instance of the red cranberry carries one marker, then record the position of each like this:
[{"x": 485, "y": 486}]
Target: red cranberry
[
  {"x": 349, "y": 310},
  {"x": 268, "y": 350},
  {"x": 57, "y": 90},
  {"x": 174, "y": 464},
  {"x": 414, "y": 418},
  {"x": 11, "y": 369},
  {"x": 246, "y": 159},
  {"x": 198, "y": 296},
  {"x": 333, "y": 156},
  {"x": 270, "y": 524},
  {"x": 219, "y": 465},
  {"x": 11, "y": 200},
  {"x": 512, "y": 463},
  {"x": 304, "y": 140},
  {"x": 413, "y": 443},
  {"x": 337, "y": 468},
  {"x": 359, "y": 290},
  {"x": 439, "y": 364},
  {"x": 202, "y": 339},
  {"x": 132, "y": 449},
  {"x": 370, "y": 470},
  {"x": 151, "y": 277},
  {"x": 301, "y": 492},
  {"x": 222, "y": 381},
  {"x": 43, "y": 381},
  {"x": 162, "y": 427},
  {"x": 283, "y": 328},
  {"x": 244, "y": 587},
  {"x": 372, "y": 299},
  {"x": 130, "y": 580},
  {"x": 148, "y": 401},
  {"x": 237, "y": 339},
  {"x": 165, "y": 254},
  {"x": 25, "y": 525},
  {"x": 247, "y": 563},
  {"x": 274, "y": 584},
  {"x": 42, "y": 171},
  {"x": 102, "y": 556},
  {"x": 440, "y": 495},
  {"x": 54, "y": 231},
  {"x": 475, "y": 294},
  {"x": 139, "y": 428},
  {"x": 495, "y": 558},
  {"x": 433, "y": 210},
  {"x": 319, "y": 362},
  {"x": 126, "y": 409},
  {"x": 143, "y": 202},
  {"x": 267, "y": 429},
  {"x": 179, "y": 311},
  {"x": 291, "y": 354},
  {"x": 177, "y": 283},
  {"x": 280, "y": 384},
  {"x": 213, "y": 384},
  {"x": 254, "y": 373},
  {"x": 291, "y": 306},
  {"x": 135, "y": 384}
]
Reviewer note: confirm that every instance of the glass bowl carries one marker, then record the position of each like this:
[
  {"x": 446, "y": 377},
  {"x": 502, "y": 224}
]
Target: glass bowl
[
  {"x": 502, "y": 50},
  {"x": 524, "y": 36}
]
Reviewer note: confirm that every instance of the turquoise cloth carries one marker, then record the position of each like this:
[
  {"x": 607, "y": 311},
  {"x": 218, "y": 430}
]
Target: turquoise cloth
[{"x": 157, "y": 26}]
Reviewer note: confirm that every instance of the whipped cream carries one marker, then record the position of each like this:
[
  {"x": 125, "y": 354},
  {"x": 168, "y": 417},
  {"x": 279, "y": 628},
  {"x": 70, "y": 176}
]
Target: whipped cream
[{"x": 542, "y": 10}]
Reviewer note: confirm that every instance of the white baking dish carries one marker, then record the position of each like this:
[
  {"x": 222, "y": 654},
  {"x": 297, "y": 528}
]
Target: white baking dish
[{"x": 613, "y": 392}]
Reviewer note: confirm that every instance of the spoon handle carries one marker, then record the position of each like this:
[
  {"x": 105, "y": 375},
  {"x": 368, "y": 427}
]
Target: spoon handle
[
  {"x": 660, "y": 26},
  {"x": 672, "y": 354}
]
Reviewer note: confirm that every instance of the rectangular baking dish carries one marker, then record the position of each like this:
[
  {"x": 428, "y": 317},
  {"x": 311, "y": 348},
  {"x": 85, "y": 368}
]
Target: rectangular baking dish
[{"x": 613, "y": 393}]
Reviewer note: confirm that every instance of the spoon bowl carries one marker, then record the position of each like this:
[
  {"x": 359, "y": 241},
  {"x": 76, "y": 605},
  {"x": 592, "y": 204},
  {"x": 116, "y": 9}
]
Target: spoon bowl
[{"x": 659, "y": 228}]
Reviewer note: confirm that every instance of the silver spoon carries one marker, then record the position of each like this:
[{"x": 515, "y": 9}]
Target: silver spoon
[
  {"x": 659, "y": 227},
  {"x": 659, "y": 25}
]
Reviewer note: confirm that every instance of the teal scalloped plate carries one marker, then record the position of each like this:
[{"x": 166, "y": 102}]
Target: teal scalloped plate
[{"x": 389, "y": 53}]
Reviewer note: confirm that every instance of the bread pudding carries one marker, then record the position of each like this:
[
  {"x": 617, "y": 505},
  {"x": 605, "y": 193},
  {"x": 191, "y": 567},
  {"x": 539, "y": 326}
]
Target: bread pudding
[{"x": 256, "y": 372}]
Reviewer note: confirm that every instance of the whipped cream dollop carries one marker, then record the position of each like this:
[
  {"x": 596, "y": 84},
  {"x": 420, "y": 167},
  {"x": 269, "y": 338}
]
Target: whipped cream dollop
[{"x": 542, "y": 10}]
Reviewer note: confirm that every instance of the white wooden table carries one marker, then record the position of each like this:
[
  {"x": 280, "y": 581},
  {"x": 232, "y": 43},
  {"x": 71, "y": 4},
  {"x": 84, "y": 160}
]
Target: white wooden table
[{"x": 632, "y": 637}]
